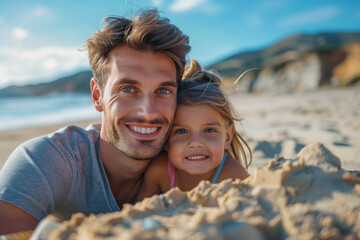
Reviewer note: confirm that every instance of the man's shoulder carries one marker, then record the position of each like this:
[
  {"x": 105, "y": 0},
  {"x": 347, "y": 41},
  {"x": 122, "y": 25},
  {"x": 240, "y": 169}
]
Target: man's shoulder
[
  {"x": 76, "y": 133},
  {"x": 69, "y": 140}
]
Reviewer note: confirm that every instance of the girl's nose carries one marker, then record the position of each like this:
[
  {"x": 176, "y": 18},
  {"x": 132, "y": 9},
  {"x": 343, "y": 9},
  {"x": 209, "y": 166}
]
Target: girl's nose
[{"x": 195, "y": 141}]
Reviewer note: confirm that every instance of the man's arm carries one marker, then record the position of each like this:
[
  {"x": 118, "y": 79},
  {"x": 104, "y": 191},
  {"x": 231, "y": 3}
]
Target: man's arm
[{"x": 14, "y": 219}]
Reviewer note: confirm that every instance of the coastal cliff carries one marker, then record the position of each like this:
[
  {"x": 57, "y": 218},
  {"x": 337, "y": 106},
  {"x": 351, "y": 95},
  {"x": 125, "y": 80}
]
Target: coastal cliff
[{"x": 336, "y": 67}]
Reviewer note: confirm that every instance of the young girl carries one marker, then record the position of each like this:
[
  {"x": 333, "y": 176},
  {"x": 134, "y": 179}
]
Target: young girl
[{"x": 203, "y": 143}]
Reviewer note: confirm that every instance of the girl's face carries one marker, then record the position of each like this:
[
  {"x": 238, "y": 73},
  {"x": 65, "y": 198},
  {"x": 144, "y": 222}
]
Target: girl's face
[{"x": 198, "y": 139}]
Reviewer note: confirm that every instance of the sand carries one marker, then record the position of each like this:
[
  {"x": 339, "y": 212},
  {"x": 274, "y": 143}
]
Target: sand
[
  {"x": 282, "y": 124},
  {"x": 309, "y": 197}
]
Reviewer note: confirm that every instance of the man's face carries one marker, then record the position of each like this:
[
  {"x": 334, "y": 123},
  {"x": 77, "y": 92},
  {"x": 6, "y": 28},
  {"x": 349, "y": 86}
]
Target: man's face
[{"x": 138, "y": 102}]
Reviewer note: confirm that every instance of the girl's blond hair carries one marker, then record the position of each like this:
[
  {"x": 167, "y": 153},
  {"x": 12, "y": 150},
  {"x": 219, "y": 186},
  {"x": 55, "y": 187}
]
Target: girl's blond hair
[{"x": 203, "y": 86}]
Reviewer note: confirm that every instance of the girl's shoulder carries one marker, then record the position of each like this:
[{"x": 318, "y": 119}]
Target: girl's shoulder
[
  {"x": 155, "y": 178},
  {"x": 157, "y": 172},
  {"x": 232, "y": 169},
  {"x": 158, "y": 164}
]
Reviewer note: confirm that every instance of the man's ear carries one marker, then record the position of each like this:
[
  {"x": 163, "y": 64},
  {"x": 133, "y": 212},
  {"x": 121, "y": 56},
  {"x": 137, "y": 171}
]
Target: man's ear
[
  {"x": 96, "y": 95},
  {"x": 229, "y": 135}
]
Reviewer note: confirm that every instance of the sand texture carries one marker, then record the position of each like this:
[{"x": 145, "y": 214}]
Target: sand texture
[
  {"x": 282, "y": 124},
  {"x": 308, "y": 197}
]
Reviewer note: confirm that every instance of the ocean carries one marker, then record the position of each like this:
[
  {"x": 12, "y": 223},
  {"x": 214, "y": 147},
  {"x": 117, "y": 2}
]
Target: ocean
[{"x": 18, "y": 112}]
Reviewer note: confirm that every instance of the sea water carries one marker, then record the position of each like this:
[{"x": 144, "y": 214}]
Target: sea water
[{"x": 18, "y": 112}]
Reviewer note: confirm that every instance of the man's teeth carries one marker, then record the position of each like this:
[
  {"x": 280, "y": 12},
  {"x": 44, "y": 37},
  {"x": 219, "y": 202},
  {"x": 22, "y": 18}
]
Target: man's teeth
[
  {"x": 143, "y": 130},
  {"x": 196, "y": 157}
]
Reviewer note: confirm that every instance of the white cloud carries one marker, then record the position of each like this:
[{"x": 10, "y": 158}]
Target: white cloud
[
  {"x": 19, "y": 33},
  {"x": 20, "y": 66},
  {"x": 185, "y": 5},
  {"x": 309, "y": 17},
  {"x": 40, "y": 12},
  {"x": 157, "y": 3},
  {"x": 50, "y": 63}
]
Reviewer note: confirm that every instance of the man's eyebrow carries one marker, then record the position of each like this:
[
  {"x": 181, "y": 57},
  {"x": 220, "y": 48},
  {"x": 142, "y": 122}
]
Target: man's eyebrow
[
  {"x": 169, "y": 84},
  {"x": 134, "y": 82},
  {"x": 127, "y": 81}
]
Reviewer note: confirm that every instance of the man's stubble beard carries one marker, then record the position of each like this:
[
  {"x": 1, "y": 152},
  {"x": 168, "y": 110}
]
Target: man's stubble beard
[{"x": 119, "y": 142}]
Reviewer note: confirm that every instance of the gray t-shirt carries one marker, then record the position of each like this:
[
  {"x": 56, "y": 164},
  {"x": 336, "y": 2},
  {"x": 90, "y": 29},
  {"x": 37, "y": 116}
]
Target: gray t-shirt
[{"x": 60, "y": 173}]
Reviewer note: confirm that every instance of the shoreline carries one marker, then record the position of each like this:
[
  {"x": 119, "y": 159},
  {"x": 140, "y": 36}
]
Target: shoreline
[{"x": 10, "y": 139}]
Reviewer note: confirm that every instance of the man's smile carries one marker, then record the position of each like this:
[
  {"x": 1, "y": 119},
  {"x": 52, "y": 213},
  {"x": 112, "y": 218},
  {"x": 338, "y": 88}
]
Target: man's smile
[{"x": 144, "y": 131}]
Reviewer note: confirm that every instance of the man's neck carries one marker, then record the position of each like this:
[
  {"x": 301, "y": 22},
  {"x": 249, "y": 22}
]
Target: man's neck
[{"x": 124, "y": 174}]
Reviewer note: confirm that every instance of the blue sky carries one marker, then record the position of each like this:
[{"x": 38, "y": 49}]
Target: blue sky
[{"x": 40, "y": 40}]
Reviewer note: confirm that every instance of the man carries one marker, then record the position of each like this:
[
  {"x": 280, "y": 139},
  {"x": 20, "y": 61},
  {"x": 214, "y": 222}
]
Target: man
[{"x": 136, "y": 65}]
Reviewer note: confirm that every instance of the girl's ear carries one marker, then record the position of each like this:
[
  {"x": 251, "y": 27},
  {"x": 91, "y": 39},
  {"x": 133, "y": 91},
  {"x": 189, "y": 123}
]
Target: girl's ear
[
  {"x": 96, "y": 95},
  {"x": 229, "y": 135}
]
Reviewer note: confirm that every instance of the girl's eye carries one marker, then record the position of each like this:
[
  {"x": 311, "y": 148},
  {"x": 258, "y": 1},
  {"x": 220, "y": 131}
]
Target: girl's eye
[
  {"x": 127, "y": 90},
  {"x": 181, "y": 131},
  {"x": 209, "y": 130},
  {"x": 164, "y": 91}
]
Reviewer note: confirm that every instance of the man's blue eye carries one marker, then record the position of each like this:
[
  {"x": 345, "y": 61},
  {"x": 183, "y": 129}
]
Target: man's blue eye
[
  {"x": 181, "y": 131},
  {"x": 127, "y": 90},
  {"x": 164, "y": 91}
]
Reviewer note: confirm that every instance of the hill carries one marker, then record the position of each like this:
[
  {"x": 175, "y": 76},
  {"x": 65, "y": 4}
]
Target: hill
[
  {"x": 79, "y": 82},
  {"x": 300, "y": 62},
  {"x": 318, "y": 60}
]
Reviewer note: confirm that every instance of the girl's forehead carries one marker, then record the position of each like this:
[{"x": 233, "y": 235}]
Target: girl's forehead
[{"x": 197, "y": 112}]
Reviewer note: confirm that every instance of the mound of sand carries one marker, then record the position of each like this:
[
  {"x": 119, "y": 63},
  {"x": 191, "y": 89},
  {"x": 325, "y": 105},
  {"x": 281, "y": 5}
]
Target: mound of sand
[{"x": 310, "y": 197}]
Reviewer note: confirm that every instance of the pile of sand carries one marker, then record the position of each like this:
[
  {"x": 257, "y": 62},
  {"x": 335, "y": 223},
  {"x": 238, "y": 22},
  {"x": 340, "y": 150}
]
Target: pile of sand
[{"x": 310, "y": 197}]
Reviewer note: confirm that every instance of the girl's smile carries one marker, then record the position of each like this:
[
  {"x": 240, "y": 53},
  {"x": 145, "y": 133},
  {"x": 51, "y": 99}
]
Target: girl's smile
[{"x": 197, "y": 157}]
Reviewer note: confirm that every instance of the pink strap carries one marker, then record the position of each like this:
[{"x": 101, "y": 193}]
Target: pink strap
[{"x": 171, "y": 172}]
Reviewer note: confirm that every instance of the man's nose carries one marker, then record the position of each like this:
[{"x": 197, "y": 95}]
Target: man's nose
[{"x": 148, "y": 108}]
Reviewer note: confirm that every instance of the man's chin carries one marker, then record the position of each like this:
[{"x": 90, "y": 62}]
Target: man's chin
[
  {"x": 138, "y": 149},
  {"x": 143, "y": 156},
  {"x": 142, "y": 152}
]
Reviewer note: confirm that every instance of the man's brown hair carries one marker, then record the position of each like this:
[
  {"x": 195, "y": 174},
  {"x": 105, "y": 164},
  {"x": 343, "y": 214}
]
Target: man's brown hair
[{"x": 147, "y": 31}]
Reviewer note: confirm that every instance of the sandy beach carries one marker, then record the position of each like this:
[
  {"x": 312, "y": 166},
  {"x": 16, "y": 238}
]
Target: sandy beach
[
  {"x": 281, "y": 124},
  {"x": 304, "y": 183}
]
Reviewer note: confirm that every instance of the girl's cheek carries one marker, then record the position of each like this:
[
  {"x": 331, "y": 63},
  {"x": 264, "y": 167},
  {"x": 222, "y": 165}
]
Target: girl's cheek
[{"x": 176, "y": 142}]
